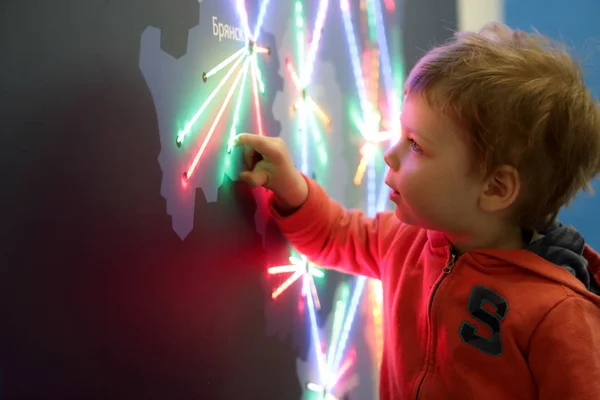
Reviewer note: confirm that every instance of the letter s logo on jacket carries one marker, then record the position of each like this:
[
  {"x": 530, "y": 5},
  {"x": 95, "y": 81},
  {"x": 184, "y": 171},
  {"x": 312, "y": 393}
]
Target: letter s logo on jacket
[{"x": 468, "y": 332}]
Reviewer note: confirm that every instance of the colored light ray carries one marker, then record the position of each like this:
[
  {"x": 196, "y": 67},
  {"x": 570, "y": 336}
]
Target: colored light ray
[
  {"x": 338, "y": 320},
  {"x": 300, "y": 31},
  {"x": 384, "y": 190},
  {"x": 328, "y": 389},
  {"x": 258, "y": 75},
  {"x": 371, "y": 69},
  {"x": 261, "y": 18},
  {"x": 188, "y": 127},
  {"x": 374, "y": 202},
  {"x": 368, "y": 153},
  {"x": 369, "y": 127},
  {"x": 375, "y": 74},
  {"x": 370, "y": 20},
  {"x": 304, "y": 98},
  {"x": 319, "y": 112},
  {"x": 390, "y": 5},
  {"x": 363, "y": 27},
  {"x": 377, "y": 314},
  {"x": 303, "y": 131},
  {"x": 354, "y": 56},
  {"x": 382, "y": 198},
  {"x": 371, "y": 59},
  {"x": 356, "y": 295},
  {"x": 386, "y": 65},
  {"x": 300, "y": 268},
  {"x": 260, "y": 49},
  {"x": 241, "y": 9},
  {"x": 372, "y": 137},
  {"x": 317, "y": 138},
  {"x": 236, "y": 113},
  {"x": 257, "y": 102},
  {"x": 188, "y": 174},
  {"x": 314, "y": 331},
  {"x": 313, "y": 387},
  {"x": 293, "y": 75},
  {"x": 301, "y": 110},
  {"x": 371, "y": 190},
  {"x": 222, "y": 64},
  {"x": 316, "y": 39},
  {"x": 330, "y": 374}
]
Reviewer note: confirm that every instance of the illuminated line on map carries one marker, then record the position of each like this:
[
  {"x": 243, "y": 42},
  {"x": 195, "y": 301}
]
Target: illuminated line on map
[{"x": 188, "y": 174}]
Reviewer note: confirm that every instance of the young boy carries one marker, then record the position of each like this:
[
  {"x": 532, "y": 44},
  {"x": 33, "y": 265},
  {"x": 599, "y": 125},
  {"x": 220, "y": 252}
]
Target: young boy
[{"x": 486, "y": 296}]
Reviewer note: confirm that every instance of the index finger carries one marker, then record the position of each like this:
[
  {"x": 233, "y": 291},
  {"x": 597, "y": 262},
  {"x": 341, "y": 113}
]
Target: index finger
[{"x": 261, "y": 144}]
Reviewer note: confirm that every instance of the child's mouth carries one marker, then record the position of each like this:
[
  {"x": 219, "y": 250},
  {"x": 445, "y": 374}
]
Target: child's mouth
[{"x": 394, "y": 195}]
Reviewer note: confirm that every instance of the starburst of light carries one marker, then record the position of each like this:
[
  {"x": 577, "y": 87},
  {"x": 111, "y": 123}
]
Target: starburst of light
[
  {"x": 299, "y": 267},
  {"x": 240, "y": 65}
]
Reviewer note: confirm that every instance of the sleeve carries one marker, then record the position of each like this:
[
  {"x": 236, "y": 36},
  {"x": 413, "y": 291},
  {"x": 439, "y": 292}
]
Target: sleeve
[
  {"x": 336, "y": 238},
  {"x": 565, "y": 351}
]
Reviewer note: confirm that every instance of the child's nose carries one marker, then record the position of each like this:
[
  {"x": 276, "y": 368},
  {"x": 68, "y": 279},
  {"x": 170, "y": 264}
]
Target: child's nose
[{"x": 391, "y": 159}]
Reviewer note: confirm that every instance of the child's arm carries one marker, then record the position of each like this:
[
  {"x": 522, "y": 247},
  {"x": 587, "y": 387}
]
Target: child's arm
[
  {"x": 564, "y": 355},
  {"x": 316, "y": 225},
  {"x": 335, "y": 237}
]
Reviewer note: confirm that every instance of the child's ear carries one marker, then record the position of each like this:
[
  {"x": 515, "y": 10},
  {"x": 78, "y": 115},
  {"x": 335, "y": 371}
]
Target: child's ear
[{"x": 501, "y": 189}]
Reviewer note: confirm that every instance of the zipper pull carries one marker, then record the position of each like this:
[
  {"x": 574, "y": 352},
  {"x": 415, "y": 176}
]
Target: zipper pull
[{"x": 451, "y": 262}]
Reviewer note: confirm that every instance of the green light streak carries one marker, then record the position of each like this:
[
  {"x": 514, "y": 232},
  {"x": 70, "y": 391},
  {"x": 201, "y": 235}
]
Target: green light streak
[
  {"x": 225, "y": 62},
  {"x": 316, "y": 272},
  {"x": 236, "y": 113},
  {"x": 188, "y": 127},
  {"x": 357, "y": 120},
  {"x": 371, "y": 20},
  {"x": 338, "y": 319},
  {"x": 300, "y": 36},
  {"x": 317, "y": 137}
]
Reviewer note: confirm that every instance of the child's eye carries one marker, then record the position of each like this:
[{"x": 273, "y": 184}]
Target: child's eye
[{"x": 414, "y": 146}]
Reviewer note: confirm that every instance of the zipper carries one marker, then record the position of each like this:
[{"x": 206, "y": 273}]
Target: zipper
[
  {"x": 451, "y": 262},
  {"x": 446, "y": 271}
]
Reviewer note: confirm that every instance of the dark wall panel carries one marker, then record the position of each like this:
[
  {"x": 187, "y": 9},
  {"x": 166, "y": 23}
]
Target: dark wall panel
[{"x": 115, "y": 281}]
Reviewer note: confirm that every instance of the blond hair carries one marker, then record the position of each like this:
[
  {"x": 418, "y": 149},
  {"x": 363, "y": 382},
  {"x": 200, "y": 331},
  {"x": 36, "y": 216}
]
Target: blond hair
[{"x": 523, "y": 101}]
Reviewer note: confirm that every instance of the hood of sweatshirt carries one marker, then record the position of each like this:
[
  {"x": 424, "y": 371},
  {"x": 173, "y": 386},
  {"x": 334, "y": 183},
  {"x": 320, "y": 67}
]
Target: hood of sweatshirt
[{"x": 564, "y": 246}]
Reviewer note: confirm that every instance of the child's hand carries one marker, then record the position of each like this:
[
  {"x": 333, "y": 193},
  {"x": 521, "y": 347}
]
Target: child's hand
[{"x": 269, "y": 164}]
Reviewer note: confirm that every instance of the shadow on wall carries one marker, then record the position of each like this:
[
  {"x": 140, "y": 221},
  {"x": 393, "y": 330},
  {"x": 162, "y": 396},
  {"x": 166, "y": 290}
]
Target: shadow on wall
[
  {"x": 98, "y": 296},
  {"x": 576, "y": 24}
]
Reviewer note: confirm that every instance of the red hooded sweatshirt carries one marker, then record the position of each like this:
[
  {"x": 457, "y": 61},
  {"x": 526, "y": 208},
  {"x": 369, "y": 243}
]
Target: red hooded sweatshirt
[{"x": 490, "y": 324}]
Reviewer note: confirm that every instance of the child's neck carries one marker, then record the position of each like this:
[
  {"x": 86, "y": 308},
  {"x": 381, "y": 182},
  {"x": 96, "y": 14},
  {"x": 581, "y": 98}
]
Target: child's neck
[{"x": 506, "y": 238}]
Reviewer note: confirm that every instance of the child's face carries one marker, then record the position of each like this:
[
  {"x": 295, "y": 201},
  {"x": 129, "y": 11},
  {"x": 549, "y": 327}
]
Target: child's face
[{"x": 431, "y": 177}]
